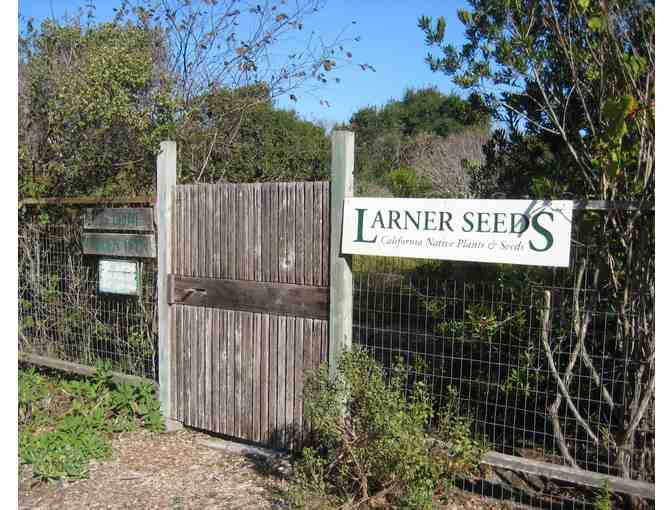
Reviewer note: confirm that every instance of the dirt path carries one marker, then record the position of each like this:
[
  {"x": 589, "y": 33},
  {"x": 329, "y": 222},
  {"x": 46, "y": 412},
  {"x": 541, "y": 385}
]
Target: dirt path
[
  {"x": 176, "y": 472},
  {"x": 160, "y": 471}
]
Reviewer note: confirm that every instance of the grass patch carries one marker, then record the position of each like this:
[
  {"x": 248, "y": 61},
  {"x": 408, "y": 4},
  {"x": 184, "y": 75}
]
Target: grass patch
[{"x": 64, "y": 422}]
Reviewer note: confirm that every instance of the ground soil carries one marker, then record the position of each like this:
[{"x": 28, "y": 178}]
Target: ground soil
[{"x": 176, "y": 471}]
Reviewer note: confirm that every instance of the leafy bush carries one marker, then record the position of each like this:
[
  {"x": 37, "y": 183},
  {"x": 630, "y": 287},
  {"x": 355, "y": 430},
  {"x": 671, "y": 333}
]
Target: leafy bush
[
  {"x": 405, "y": 182},
  {"x": 65, "y": 423},
  {"x": 378, "y": 439}
]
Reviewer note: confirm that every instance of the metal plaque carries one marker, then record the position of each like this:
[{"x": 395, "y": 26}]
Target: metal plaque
[{"x": 119, "y": 277}]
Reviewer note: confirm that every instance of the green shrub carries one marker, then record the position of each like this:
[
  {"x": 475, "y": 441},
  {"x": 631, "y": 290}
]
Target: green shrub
[
  {"x": 378, "y": 439},
  {"x": 405, "y": 182},
  {"x": 63, "y": 423}
]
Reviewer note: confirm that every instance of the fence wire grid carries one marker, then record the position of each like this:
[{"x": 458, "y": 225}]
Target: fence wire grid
[
  {"x": 500, "y": 341},
  {"x": 63, "y": 316}
]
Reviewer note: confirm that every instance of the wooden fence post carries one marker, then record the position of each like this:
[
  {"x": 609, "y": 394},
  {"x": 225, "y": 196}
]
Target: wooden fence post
[
  {"x": 340, "y": 265},
  {"x": 166, "y": 179}
]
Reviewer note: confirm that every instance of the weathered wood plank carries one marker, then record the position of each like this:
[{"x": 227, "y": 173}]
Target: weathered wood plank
[
  {"x": 299, "y": 300},
  {"x": 273, "y": 233},
  {"x": 119, "y": 218},
  {"x": 317, "y": 233},
  {"x": 258, "y": 213},
  {"x": 266, "y": 232},
  {"x": 263, "y": 378},
  {"x": 149, "y": 199},
  {"x": 193, "y": 357},
  {"x": 298, "y": 383},
  {"x": 309, "y": 237},
  {"x": 326, "y": 233},
  {"x": 289, "y": 382},
  {"x": 568, "y": 474},
  {"x": 238, "y": 374},
  {"x": 273, "y": 380},
  {"x": 300, "y": 238},
  {"x": 307, "y": 362},
  {"x": 231, "y": 373},
  {"x": 256, "y": 378},
  {"x": 223, "y": 388},
  {"x": 282, "y": 374},
  {"x": 290, "y": 256},
  {"x": 119, "y": 245},
  {"x": 77, "y": 368}
]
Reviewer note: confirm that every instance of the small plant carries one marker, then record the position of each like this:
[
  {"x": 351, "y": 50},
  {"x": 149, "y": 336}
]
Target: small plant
[
  {"x": 378, "y": 439},
  {"x": 63, "y": 423},
  {"x": 603, "y": 501}
]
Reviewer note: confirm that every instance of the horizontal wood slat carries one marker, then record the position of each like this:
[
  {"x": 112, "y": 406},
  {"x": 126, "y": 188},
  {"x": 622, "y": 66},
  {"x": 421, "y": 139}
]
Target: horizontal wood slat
[{"x": 250, "y": 296}]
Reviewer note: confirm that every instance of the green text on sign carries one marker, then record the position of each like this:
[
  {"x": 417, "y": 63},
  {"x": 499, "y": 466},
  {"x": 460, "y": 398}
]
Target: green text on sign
[{"x": 120, "y": 245}]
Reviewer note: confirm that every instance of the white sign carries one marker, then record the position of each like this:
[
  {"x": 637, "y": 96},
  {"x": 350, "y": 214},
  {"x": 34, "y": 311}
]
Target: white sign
[
  {"x": 532, "y": 232},
  {"x": 118, "y": 277}
]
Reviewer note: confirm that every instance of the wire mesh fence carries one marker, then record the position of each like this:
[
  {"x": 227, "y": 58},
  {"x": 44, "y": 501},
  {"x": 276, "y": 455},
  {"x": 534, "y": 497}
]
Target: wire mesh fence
[
  {"x": 63, "y": 316},
  {"x": 536, "y": 357}
]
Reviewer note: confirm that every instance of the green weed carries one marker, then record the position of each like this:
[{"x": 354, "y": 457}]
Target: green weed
[{"x": 64, "y": 423}]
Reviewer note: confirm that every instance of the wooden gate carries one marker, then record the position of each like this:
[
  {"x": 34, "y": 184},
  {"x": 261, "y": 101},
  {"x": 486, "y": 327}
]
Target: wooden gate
[{"x": 249, "y": 296}]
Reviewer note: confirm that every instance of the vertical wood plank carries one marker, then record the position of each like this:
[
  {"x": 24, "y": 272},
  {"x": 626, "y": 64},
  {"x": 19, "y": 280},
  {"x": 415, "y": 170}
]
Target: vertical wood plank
[
  {"x": 266, "y": 215},
  {"x": 218, "y": 382},
  {"x": 193, "y": 356},
  {"x": 300, "y": 233},
  {"x": 256, "y": 380},
  {"x": 238, "y": 374},
  {"x": 307, "y": 361},
  {"x": 177, "y": 387},
  {"x": 258, "y": 211},
  {"x": 273, "y": 211},
  {"x": 263, "y": 379},
  {"x": 273, "y": 380},
  {"x": 290, "y": 257},
  {"x": 216, "y": 243},
  {"x": 289, "y": 382},
  {"x": 230, "y": 373},
  {"x": 282, "y": 372},
  {"x": 209, "y": 372},
  {"x": 326, "y": 233},
  {"x": 298, "y": 383},
  {"x": 309, "y": 238},
  {"x": 282, "y": 232},
  {"x": 317, "y": 233}
]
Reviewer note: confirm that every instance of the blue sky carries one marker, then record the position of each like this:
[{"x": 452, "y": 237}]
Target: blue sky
[{"x": 389, "y": 40}]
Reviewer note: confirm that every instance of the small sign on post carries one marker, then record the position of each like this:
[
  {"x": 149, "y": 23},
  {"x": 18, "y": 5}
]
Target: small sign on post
[
  {"x": 120, "y": 218},
  {"x": 119, "y": 277},
  {"x": 119, "y": 245},
  {"x": 531, "y": 232}
]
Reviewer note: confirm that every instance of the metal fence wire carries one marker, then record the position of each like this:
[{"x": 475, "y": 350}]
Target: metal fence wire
[
  {"x": 500, "y": 339},
  {"x": 63, "y": 316}
]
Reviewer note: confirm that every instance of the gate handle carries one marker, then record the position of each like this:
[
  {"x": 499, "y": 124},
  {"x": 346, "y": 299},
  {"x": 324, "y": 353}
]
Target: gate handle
[{"x": 191, "y": 291}]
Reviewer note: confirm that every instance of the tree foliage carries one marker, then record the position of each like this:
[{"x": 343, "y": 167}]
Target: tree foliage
[
  {"x": 390, "y": 137},
  {"x": 574, "y": 83},
  {"x": 93, "y": 105},
  {"x": 95, "y": 99}
]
